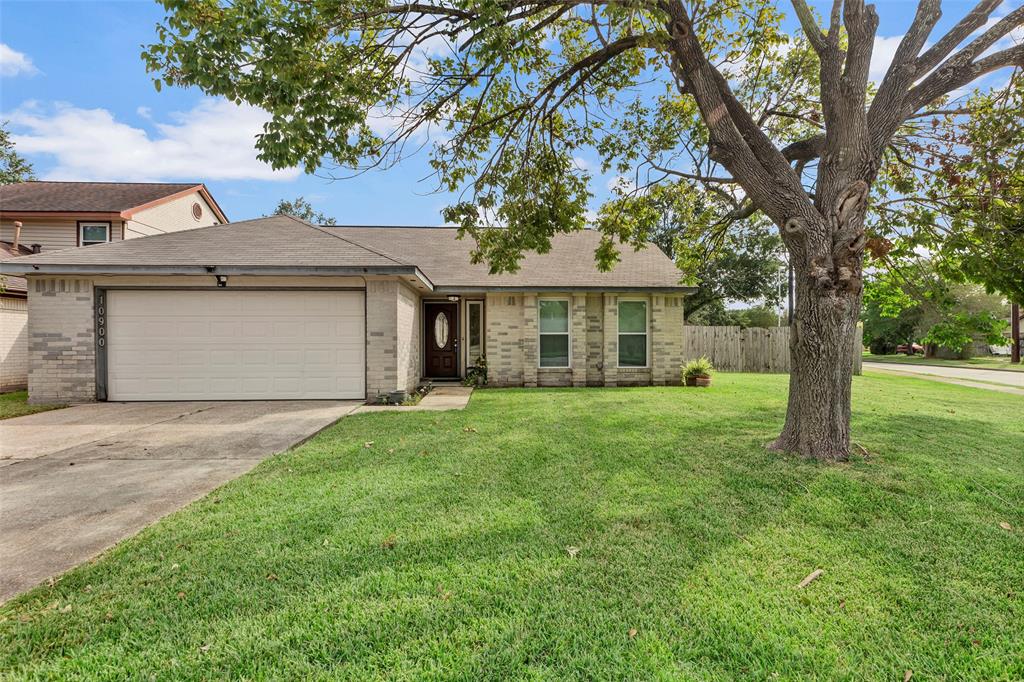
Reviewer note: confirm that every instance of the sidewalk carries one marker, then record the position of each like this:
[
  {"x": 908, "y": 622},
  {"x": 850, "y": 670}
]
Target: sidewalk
[
  {"x": 989, "y": 379},
  {"x": 440, "y": 398}
]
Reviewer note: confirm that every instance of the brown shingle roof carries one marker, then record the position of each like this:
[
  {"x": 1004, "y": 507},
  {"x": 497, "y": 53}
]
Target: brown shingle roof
[
  {"x": 277, "y": 241},
  {"x": 9, "y": 283},
  {"x": 286, "y": 242},
  {"x": 570, "y": 263},
  {"x": 111, "y": 197}
]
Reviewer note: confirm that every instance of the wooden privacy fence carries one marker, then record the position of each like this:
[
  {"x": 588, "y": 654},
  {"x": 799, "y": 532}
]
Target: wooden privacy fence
[{"x": 765, "y": 350}]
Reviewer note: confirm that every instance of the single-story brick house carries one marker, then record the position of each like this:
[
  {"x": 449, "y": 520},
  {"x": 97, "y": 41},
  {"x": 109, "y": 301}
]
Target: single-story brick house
[{"x": 279, "y": 308}]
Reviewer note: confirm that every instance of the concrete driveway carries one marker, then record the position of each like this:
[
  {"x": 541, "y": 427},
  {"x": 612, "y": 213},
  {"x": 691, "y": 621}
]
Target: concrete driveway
[{"x": 74, "y": 482}]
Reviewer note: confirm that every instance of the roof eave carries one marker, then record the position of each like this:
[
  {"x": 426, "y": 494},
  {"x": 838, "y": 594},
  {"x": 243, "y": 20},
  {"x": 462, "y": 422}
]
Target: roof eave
[
  {"x": 71, "y": 215},
  {"x": 667, "y": 289},
  {"x": 28, "y": 268}
]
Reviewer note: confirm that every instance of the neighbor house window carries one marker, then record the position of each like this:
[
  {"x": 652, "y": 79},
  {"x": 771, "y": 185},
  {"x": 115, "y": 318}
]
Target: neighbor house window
[
  {"x": 93, "y": 233},
  {"x": 554, "y": 332},
  {"x": 475, "y": 331},
  {"x": 632, "y": 333}
]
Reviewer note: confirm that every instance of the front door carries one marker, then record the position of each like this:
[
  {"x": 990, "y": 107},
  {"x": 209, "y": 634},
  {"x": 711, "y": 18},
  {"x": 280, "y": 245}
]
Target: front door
[{"x": 441, "y": 335}]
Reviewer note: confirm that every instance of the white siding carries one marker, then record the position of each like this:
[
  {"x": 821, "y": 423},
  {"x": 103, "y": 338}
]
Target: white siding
[{"x": 172, "y": 216}]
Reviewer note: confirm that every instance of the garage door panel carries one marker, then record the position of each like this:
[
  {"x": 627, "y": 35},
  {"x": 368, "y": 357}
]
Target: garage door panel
[{"x": 235, "y": 345}]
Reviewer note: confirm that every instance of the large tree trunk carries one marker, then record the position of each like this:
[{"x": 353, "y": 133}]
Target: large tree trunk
[{"x": 821, "y": 374}]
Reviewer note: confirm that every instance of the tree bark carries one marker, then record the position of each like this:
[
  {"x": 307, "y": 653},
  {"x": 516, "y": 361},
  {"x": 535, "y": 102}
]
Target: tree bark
[{"x": 821, "y": 373}]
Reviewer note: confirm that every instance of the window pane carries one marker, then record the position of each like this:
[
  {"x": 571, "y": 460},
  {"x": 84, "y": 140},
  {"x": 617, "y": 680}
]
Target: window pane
[
  {"x": 554, "y": 350},
  {"x": 475, "y": 332},
  {"x": 633, "y": 316},
  {"x": 554, "y": 316},
  {"x": 632, "y": 350},
  {"x": 94, "y": 233}
]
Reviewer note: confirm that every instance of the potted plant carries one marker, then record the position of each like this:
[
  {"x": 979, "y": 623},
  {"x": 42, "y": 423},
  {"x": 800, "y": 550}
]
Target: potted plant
[{"x": 698, "y": 372}]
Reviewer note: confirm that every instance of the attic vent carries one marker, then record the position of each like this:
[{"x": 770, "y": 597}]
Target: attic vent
[{"x": 197, "y": 210}]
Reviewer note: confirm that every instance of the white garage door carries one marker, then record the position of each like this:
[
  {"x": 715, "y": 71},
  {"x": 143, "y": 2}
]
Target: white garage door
[{"x": 235, "y": 345}]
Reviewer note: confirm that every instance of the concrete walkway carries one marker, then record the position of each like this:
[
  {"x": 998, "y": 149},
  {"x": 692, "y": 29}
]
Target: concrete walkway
[
  {"x": 76, "y": 481},
  {"x": 439, "y": 399},
  {"x": 992, "y": 380}
]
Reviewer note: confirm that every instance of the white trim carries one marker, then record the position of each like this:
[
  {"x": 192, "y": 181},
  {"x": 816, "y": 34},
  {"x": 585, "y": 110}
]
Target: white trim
[
  {"x": 567, "y": 333},
  {"x": 99, "y": 223},
  {"x": 646, "y": 334}
]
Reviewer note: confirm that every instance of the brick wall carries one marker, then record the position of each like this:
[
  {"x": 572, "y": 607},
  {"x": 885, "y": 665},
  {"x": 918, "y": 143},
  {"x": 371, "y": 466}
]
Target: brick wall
[
  {"x": 512, "y": 351},
  {"x": 504, "y": 315},
  {"x": 13, "y": 343},
  {"x": 409, "y": 328},
  {"x": 595, "y": 340},
  {"x": 61, "y": 340}
]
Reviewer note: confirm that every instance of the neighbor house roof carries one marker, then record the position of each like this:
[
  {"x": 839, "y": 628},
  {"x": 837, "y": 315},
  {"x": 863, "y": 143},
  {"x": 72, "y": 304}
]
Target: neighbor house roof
[
  {"x": 570, "y": 263},
  {"x": 122, "y": 198},
  {"x": 10, "y": 284},
  {"x": 281, "y": 244},
  {"x": 275, "y": 245}
]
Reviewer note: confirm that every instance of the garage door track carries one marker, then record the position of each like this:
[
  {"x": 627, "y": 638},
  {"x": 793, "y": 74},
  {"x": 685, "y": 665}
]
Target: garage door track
[{"x": 74, "y": 482}]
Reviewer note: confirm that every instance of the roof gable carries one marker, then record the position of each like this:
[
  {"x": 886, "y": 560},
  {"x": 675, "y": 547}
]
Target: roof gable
[{"x": 37, "y": 196}]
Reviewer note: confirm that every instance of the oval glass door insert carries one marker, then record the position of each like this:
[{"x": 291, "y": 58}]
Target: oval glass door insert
[{"x": 441, "y": 330}]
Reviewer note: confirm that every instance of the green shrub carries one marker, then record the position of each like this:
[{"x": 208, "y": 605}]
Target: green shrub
[{"x": 701, "y": 367}]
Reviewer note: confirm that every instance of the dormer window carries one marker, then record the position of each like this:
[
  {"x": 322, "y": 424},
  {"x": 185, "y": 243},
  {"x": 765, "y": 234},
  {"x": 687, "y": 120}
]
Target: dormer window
[{"x": 93, "y": 233}]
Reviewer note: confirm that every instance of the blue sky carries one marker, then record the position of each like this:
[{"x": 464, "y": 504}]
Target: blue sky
[{"x": 82, "y": 107}]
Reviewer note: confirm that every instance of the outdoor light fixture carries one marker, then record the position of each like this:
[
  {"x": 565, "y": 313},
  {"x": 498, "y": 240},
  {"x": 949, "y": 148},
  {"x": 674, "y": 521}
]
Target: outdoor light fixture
[
  {"x": 453, "y": 298},
  {"x": 222, "y": 280}
]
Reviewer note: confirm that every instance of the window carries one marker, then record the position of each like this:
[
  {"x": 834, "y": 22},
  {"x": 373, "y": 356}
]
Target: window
[
  {"x": 554, "y": 332},
  {"x": 632, "y": 333},
  {"x": 93, "y": 233},
  {"x": 475, "y": 331}
]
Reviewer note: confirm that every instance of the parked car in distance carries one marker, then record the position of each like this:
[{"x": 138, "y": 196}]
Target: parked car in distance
[{"x": 914, "y": 349}]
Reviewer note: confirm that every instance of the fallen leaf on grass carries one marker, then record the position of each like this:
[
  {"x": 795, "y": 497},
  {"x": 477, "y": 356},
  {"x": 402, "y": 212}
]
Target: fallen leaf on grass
[
  {"x": 573, "y": 551},
  {"x": 109, "y": 616},
  {"x": 368, "y": 444},
  {"x": 632, "y": 633},
  {"x": 181, "y": 595},
  {"x": 907, "y": 675},
  {"x": 204, "y": 648},
  {"x": 1005, "y": 526},
  {"x": 389, "y": 542},
  {"x": 326, "y": 542},
  {"x": 469, "y": 429},
  {"x": 810, "y": 578},
  {"x": 66, "y": 609},
  {"x": 443, "y": 594},
  {"x": 272, "y": 576},
  {"x": 391, "y": 451}
]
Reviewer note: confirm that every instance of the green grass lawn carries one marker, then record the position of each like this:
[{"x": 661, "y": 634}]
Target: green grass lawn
[
  {"x": 582, "y": 534},
  {"x": 980, "y": 362},
  {"x": 15, "y": 404}
]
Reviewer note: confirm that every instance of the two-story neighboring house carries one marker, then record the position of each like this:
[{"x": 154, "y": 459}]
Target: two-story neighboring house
[{"x": 40, "y": 217}]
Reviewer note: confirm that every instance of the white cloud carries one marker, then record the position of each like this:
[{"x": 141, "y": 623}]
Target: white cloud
[
  {"x": 14, "y": 63},
  {"x": 881, "y": 56},
  {"x": 215, "y": 140}
]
